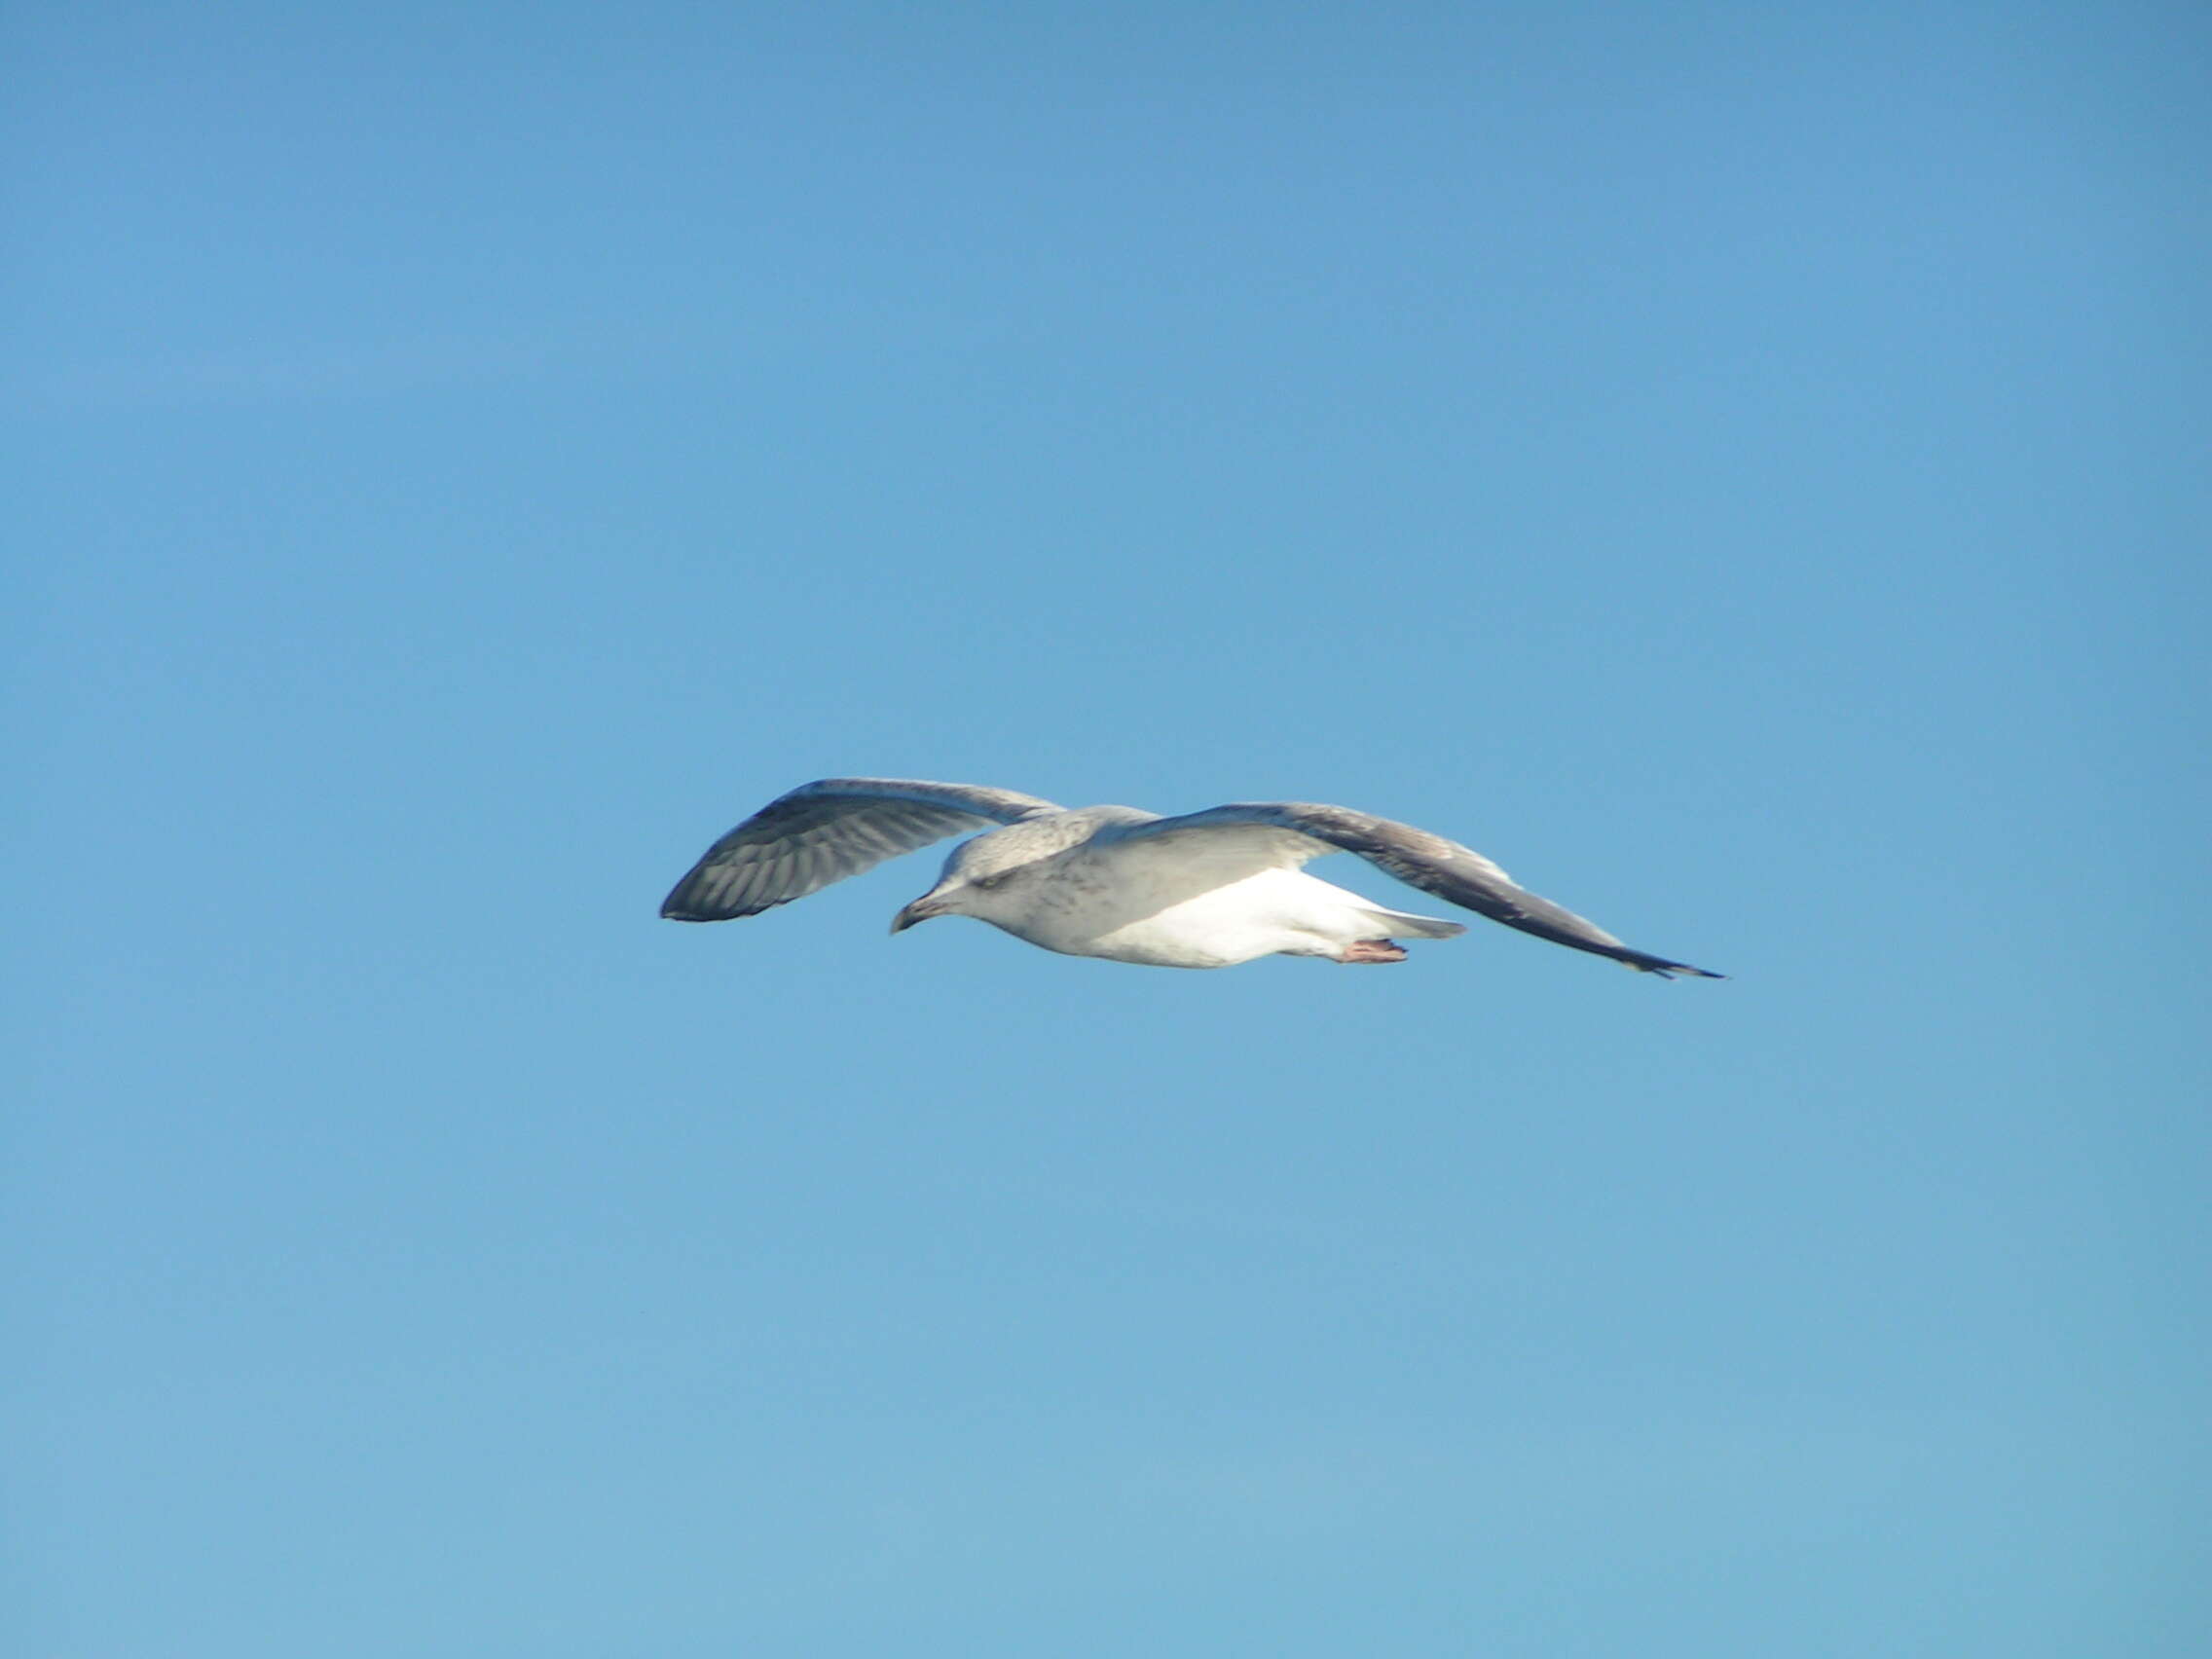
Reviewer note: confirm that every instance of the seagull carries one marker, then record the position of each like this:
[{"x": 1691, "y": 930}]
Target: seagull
[{"x": 1208, "y": 889}]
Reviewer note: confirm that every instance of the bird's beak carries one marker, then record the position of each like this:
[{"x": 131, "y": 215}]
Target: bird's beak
[{"x": 920, "y": 911}]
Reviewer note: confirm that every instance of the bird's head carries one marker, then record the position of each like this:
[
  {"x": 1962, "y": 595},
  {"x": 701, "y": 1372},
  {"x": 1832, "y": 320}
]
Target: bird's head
[{"x": 974, "y": 878}]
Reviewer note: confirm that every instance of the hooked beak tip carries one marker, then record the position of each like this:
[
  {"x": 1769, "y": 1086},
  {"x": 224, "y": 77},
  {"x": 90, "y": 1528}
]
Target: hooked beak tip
[{"x": 919, "y": 911}]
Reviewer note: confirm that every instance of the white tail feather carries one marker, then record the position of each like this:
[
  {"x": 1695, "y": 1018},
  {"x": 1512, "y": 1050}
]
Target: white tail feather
[{"x": 1398, "y": 924}]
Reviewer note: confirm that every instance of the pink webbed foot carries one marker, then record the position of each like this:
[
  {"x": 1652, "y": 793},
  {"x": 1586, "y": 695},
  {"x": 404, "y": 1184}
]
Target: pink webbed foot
[{"x": 1374, "y": 950}]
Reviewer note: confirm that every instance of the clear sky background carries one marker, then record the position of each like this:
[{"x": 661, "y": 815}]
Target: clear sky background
[{"x": 1743, "y": 467}]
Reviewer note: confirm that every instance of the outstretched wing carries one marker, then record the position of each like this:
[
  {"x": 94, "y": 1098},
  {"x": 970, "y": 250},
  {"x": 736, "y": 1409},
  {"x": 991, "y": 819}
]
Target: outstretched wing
[
  {"x": 1284, "y": 834},
  {"x": 824, "y": 832}
]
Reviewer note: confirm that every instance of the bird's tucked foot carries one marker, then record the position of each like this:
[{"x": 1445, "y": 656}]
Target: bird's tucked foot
[{"x": 1374, "y": 950}]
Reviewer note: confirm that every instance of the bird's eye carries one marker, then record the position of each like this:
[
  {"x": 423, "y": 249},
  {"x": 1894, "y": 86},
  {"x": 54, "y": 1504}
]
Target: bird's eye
[{"x": 987, "y": 882}]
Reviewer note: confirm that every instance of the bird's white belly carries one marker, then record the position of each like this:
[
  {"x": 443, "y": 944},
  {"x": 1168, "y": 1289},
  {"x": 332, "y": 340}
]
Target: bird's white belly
[{"x": 1273, "y": 911}]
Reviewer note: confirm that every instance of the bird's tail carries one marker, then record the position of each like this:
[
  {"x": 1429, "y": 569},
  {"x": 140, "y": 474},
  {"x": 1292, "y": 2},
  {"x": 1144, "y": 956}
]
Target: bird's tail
[{"x": 1398, "y": 924}]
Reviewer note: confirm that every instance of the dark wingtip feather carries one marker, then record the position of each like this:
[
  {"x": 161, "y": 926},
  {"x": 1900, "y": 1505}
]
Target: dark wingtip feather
[
  {"x": 697, "y": 909},
  {"x": 1644, "y": 962},
  {"x": 696, "y": 898},
  {"x": 1668, "y": 970}
]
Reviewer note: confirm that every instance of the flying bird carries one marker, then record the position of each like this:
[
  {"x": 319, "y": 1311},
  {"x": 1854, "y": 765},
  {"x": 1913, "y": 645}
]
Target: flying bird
[{"x": 1205, "y": 890}]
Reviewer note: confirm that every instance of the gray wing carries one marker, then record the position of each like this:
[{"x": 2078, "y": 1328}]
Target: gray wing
[
  {"x": 1430, "y": 862},
  {"x": 824, "y": 832}
]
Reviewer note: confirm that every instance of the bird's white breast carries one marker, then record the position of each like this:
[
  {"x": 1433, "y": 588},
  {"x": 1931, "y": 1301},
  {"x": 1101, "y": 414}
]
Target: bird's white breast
[{"x": 1151, "y": 911}]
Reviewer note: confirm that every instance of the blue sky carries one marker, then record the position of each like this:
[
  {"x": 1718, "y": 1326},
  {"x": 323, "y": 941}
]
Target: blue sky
[{"x": 1742, "y": 467}]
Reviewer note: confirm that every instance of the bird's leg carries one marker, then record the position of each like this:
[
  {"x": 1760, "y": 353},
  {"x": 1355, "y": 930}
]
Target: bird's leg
[{"x": 1374, "y": 950}]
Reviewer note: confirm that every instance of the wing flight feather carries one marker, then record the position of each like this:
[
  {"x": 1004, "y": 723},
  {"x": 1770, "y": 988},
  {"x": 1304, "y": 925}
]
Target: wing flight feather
[
  {"x": 1453, "y": 872},
  {"x": 827, "y": 830}
]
